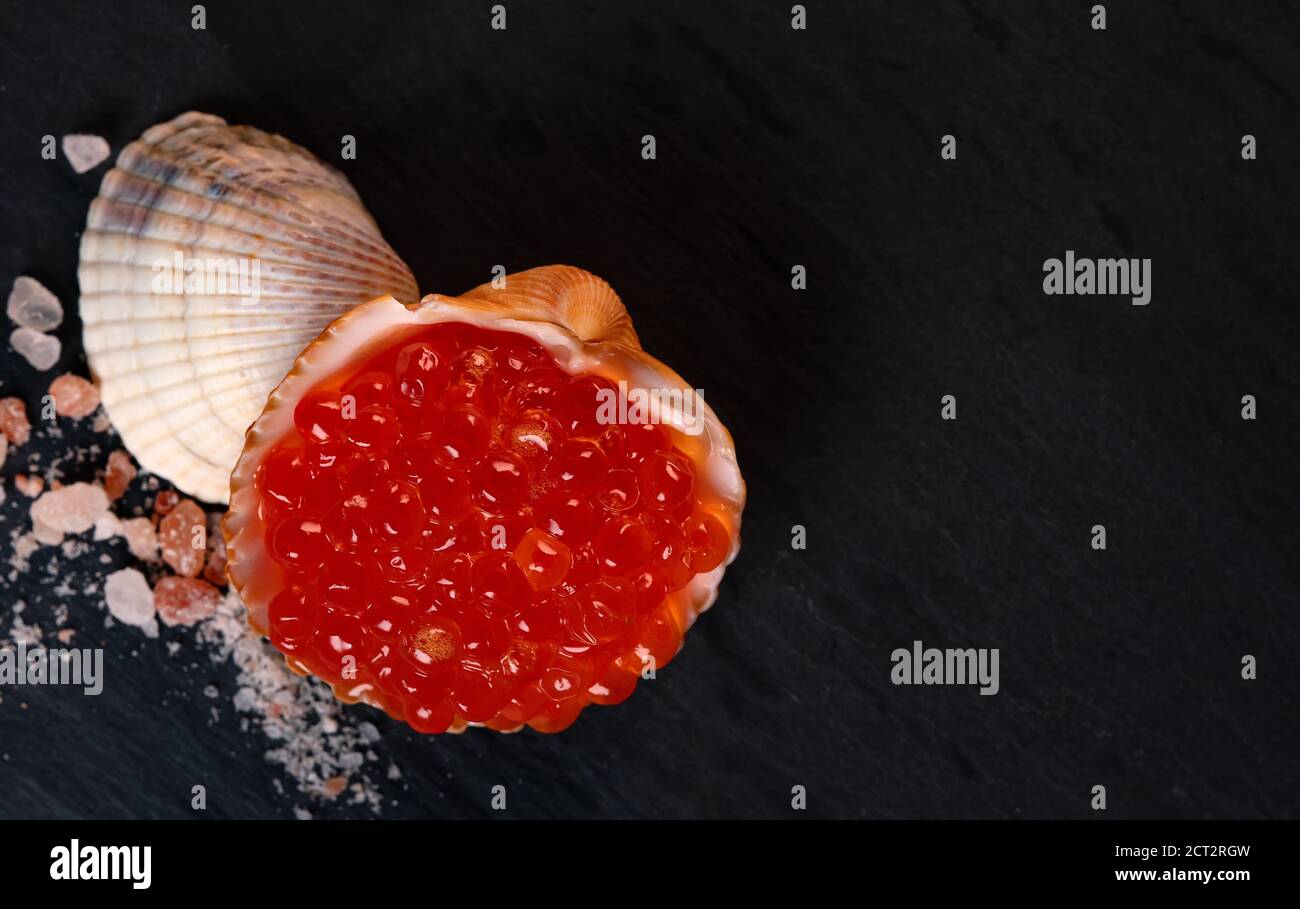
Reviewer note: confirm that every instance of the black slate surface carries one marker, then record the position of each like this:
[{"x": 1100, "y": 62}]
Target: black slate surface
[{"x": 778, "y": 147}]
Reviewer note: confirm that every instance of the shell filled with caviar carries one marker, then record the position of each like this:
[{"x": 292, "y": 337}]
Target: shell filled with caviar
[
  {"x": 493, "y": 509},
  {"x": 212, "y": 255}
]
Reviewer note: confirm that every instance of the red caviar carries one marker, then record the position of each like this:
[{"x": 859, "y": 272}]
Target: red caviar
[{"x": 461, "y": 536}]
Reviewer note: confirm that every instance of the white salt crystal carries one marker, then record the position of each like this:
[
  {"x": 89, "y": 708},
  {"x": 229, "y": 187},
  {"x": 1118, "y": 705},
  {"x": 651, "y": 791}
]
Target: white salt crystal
[
  {"x": 84, "y": 152},
  {"x": 31, "y": 305},
  {"x": 130, "y": 600},
  {"x": 72, "y": 509},
  {"x": 40, "y": 350}
]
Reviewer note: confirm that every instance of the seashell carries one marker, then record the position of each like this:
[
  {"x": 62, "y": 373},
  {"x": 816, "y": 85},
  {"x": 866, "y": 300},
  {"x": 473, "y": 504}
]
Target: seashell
[
  {"x": 194, "y": 215},
  {"x": 570, "y": 321}
]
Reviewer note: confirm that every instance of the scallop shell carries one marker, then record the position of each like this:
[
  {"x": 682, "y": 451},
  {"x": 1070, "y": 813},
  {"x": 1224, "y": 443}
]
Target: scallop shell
[
  {"x": 183, "y": 374},
  {"x": 572, "y": 313}
]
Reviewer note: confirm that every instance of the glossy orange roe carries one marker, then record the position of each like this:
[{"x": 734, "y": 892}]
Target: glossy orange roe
[{"x": 460, "y": 536}]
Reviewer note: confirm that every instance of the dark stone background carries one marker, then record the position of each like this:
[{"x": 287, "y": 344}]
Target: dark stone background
[{"x": 778, "y": 147}]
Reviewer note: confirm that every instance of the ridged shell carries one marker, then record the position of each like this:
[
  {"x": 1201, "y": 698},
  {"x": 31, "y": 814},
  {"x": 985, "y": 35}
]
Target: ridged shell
[
  {"x": 574, "y": 315},
  {"x": 182, "y": 376}
]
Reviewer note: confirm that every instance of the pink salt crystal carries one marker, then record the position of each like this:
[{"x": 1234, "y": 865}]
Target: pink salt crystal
[
  {"x": 334, "y": 787},
  {"x": 65, "y": 635},
  {"x": 13, "y": 420},
  {"x": 40, "y": 350},
  {"x": 32, "y": 306},
  {"x": 4, "y": 448},
  {"x": 165, "y": 502},
  {"x": 185, "y": 601},
  {"x": 84, "y": 152},
  {"x": 130, "y": 600},
  {"x": 29, "y": 486},
  {"x": 178, "y": 537},
  {"x": 119, "y": 475},
  {"x": 74, "y": 396},
  {"x": 141, "y": 538},
  {"x": 72, "y": 509}
]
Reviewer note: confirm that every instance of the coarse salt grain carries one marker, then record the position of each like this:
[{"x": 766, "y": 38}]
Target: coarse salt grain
[
  {"x": 39, "y": 349},
  {"x": 74, "y": 396},
  {"x": 141, "y": 538},
  {"x": 130, "y": 600},
  {"x": 31, "y": 305},
  {"x": 165, "y": 501},
  {"x": 183, "y": 547},
  {"x": 84, "y": 151},
  {"x": 118, "y": 475},
  {"x": 185, "y": 601},
  {"x": 13, "y": 420},
  {"x": 72, "y": 509}
]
